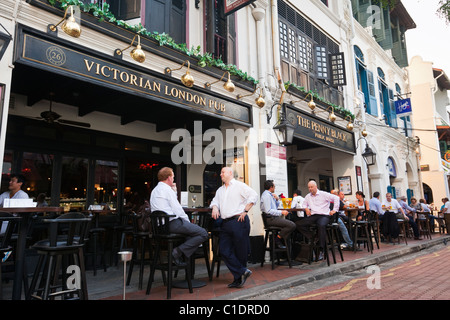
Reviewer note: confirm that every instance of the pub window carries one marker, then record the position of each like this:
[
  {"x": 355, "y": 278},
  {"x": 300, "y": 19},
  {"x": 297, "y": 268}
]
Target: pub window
[
  {"x": 105, "y": 183},
  {"x": 306, "y": 53},
  {"x": 125, "y": 9},
  {"x": 74, "y": 185},
  {"x": 366, "y": 83},
  {"x": 322, "y": 62},
  {"x": 166, "y": 16},
  {"x": 220, "y": 31}
]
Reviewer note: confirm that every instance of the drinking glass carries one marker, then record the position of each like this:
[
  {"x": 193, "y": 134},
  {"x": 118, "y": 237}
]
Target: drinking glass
[{"x": 194, "y": 198}]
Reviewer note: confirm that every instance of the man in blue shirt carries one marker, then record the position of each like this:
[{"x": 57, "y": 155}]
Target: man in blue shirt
[
  {"x": 273, "y": 216},
  {"x": 375, "y": 204},
  {"x": 409, "y": 214}
]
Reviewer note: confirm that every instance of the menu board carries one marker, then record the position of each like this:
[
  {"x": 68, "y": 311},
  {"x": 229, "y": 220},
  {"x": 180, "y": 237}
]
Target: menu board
[{"x": 276, "y": 167}]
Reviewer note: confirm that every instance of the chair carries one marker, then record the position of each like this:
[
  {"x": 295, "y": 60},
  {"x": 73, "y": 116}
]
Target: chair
[
  {"x": 423, "y": 224},
  {"x": 272, "y": 234},
  {"x": 361, "y": 231},
  {"x": 8, "y": 224},
  {"x": 69, "y": 245},
  {"x": 163, "y": 238},
  {"x": 140, "y": 239}
]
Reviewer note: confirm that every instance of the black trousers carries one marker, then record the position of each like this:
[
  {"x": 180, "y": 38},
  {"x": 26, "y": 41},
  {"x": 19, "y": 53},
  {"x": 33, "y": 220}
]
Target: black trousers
[{"x": 319, "y": 220}]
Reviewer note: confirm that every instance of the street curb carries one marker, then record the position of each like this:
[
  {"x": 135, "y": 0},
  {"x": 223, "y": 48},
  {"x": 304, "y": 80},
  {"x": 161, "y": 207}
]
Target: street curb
[{"x": 333, "y": 270}]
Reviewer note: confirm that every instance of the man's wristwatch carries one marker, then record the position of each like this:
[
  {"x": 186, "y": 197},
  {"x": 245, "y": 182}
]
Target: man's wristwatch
[{"x": 246, "y": 211}]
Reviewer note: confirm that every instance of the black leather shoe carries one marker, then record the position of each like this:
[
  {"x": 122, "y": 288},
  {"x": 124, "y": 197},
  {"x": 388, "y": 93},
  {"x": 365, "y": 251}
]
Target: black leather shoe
[
  {"x": 178, "y": 261},
  {"x": 235, "y": 283},
  {"x": 246, "y": 274}
]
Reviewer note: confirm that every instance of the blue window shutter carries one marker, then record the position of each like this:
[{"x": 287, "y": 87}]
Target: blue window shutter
[
  {"x": 393, "y": 112},
  {"x": 372, "y": 107}
]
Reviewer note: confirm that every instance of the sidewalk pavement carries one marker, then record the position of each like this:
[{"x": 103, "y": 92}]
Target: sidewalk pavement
[{"x": 109, "y": 285}]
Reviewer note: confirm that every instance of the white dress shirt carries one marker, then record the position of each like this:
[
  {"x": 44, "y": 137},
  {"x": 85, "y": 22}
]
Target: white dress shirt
[
  {"x": 392, "y": 206},
  {"x": 297, "y": 202},
  {"x": 18, "y": 195},
  {"x": 232, "y": 200},
  {"x": 163, "y": 198}
]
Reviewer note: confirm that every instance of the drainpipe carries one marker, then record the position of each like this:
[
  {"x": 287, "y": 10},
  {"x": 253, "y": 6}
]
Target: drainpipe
[{"x": 259, "y": 14}]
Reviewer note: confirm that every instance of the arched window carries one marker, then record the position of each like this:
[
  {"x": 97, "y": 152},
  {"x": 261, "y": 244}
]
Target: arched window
[
  {"x": 358, "y": 53},
  {"x": 381, "y": 74}
]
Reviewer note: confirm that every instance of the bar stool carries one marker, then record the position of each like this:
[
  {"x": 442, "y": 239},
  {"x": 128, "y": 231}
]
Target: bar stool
[
  {"x": 95, "y": 245},
  {"x": 272, "y": 234},
  {"x": 333, "y": 239},
  {"x": 402, "y": 227},
  {"x": 361, "y": 232},
  {"x": 61, "y": 245},
  {"x": 163, "y": 237},
  {"x": 140, "y": 240},
  {"x": 122, "y": 228},
  {"x": 423, "y": 223},
  {"x": 216, "y": 258},
  {"x": 8, "y": 223}
]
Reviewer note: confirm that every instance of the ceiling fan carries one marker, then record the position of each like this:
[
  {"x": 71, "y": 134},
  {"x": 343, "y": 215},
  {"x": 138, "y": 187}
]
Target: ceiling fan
[{"x": 52, "y": 117}]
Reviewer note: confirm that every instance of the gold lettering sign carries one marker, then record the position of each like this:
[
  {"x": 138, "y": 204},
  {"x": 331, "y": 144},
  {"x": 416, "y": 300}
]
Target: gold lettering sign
[
  {"x": 316, "y": 130},
  {"x": 101, "y": 71}
]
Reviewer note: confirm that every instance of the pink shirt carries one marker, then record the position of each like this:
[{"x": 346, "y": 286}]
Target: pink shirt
[{"x": 320, "y": 202}]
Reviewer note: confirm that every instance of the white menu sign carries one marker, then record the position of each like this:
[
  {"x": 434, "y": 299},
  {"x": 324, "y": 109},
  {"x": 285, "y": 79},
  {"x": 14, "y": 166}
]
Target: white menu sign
[{"x": 276, "y": 167}]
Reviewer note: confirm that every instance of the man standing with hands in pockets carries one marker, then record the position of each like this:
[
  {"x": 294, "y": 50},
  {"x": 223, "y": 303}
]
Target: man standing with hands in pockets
[{"x": 232, "y": 202}]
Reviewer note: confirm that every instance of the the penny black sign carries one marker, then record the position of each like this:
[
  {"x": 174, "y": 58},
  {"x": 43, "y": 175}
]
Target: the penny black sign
[{"x": 313, "y": 129}]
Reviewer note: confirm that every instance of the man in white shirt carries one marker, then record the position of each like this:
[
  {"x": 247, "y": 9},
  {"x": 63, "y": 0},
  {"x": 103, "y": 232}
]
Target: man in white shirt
[
  {"x": 297, "y": 202},
  {"x": 164, "y": 198},
  {"x": 15, "y": 189},
  {"x": 232, "y": 202}
]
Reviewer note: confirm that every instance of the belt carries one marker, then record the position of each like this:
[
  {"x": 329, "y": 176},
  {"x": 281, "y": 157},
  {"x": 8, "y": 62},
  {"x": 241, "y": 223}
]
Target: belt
[{"x": 231, "y": 218}]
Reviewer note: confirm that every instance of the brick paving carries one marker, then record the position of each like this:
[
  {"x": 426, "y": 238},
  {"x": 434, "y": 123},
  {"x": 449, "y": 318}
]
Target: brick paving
[
  {"x": 264, "y": 276},
  {"x": 423, "y": 278}
]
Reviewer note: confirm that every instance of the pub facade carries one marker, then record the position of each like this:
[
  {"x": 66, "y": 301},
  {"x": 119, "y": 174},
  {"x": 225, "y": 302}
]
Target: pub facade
[{"x": 89, "y": 119}]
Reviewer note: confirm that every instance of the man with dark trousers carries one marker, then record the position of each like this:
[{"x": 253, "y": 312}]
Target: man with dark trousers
[
  {"x": 232, "y": 202},
  {"x": 317, "y": 209}
]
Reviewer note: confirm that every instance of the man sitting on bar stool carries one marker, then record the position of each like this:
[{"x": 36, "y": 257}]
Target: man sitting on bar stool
[
  {"x": 164, "y": 198},
  {"x": 317, "y": 208},
  {"x": 273, "y": 216}
]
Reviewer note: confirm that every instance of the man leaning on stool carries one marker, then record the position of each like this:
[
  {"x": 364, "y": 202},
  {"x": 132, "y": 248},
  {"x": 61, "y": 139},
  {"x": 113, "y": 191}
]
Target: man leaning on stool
[
  {"x": 273, "y": 216},
  {"x": 232, "y": 202}
]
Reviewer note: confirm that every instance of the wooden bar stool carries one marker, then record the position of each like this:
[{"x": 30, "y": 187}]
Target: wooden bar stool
[
  {"x": 68, "y": 244},
  {"x": 164, "y": 239}
]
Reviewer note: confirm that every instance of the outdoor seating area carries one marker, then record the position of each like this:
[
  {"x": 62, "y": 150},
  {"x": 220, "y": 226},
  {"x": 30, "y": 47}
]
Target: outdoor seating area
[{"x": 34, "y": 270}]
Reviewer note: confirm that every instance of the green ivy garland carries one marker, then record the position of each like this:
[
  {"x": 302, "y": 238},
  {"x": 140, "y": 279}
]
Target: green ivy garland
[
  {"x": 204, "y": 60},
  {"x": 343, "y": 111}
]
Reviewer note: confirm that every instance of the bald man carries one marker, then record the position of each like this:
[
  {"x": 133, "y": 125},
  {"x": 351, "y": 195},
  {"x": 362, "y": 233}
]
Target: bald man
[
  {"x": 317, "y": 208},
  {"x": 232, "y": 202}
]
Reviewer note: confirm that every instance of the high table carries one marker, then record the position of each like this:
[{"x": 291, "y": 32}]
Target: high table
[{"x": 25, "y": 214}]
